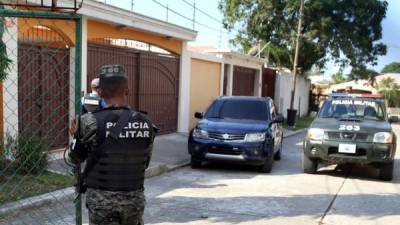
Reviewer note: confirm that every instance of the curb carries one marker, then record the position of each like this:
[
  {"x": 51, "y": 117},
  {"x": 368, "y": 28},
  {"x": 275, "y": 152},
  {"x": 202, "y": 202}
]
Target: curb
[
  {"x": 69, "y": 193},
  {"x": 294, "y": 133}
]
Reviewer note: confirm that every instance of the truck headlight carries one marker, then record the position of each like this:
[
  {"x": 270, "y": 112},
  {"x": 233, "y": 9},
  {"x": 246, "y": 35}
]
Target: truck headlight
[
  {"x": 383, "y": 137},
  {"x": 199, "y": 133},
  {"x": 255, "y": 137},
  {"x": 315, "y": 134}
]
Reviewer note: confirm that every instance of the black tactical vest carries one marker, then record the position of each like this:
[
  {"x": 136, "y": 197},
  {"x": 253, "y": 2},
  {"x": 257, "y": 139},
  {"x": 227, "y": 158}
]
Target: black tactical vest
[
  {"x": 91, "y": 102},
  {"x": 122, "y": 164}
]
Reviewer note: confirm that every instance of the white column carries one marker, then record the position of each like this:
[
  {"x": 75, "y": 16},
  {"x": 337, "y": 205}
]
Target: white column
[
  {"x": 84, "y": 54},
  {"x": 221, "y": 86},
  {"x": 258, "y": 82},
  {"x": 229, "y": 87},
  {"x": 184, "y": 90},
  {"x": 10, "y": 85}
]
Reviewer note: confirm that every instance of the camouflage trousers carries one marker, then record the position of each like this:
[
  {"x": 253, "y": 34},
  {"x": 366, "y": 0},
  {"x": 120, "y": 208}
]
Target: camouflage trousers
[{"x": 115, "y": 208}]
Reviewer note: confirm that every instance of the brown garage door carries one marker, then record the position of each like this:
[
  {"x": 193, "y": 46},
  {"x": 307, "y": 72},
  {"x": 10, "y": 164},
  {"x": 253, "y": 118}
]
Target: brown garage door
[
  {"x": 43, "y": 89},
  {"x": 268, "y": 82},
  {"x": 243, "y": 81},
  {"x": 153, "y": 80}
]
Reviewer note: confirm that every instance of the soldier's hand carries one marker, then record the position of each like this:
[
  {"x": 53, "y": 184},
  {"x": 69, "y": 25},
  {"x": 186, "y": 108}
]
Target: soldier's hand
[{"x": 72, "y": 127}]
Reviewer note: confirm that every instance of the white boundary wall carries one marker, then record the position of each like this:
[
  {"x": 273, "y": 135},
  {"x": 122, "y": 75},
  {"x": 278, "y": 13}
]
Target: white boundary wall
[{"x": 283, "y": 87}]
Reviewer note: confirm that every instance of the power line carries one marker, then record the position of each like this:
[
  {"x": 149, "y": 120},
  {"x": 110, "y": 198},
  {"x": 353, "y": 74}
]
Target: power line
[
  {"x": 207, "y": 14},
  {"x": 198, "y": 9},
  {"x": 169, "y": 8},
  {"x": 194, "y": 21}
]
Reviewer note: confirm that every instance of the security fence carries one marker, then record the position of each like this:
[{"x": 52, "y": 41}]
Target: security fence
[{"x": 40, "y": 92}]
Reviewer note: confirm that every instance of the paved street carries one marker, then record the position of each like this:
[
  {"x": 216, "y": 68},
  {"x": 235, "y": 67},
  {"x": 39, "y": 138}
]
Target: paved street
[
  {"x": 223, "y": 195},
  {"x": 240, "y": 195}
]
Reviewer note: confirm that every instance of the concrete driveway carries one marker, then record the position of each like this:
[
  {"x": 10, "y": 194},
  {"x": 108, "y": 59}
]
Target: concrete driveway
[
  {"x": 225, "y": 194},
  {"x": 240, "y": 195}
]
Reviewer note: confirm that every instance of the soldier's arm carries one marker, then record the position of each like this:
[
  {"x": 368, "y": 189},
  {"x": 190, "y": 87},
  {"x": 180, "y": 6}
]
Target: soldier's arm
[
  {"x": 155, "y": 130},
  {"x": 84, "y": 136}
]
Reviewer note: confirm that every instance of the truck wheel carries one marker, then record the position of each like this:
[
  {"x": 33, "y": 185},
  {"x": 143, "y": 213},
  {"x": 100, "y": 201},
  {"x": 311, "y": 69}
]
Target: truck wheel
[
  {"x": 386, "y": 171},
  {"x": 195, "y": 163},
  {"x": 309, "y": 165},
  {"x": 267, "y": 167}
]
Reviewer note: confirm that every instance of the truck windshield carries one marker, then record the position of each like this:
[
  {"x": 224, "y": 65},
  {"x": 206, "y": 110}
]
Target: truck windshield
[
  {"x": 350, "y": 108},
  {"x": 238, "y": 109}
]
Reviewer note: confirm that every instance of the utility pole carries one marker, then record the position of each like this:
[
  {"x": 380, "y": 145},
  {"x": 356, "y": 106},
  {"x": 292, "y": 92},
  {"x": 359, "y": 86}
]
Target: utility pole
[{"x": 296, "y": 54}]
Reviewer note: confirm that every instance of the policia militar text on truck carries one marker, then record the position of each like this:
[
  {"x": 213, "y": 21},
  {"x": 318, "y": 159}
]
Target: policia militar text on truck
[{"x": 351, "y": 129}]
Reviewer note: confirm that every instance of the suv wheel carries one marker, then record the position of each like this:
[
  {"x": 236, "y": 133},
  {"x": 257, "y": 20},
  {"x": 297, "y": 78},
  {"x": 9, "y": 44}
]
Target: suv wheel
[
  {"x": 386, "y": 171},
  {"x": 267, "y": 167},
  {"x": 277, "y": 155},
  {"x": 195, "y": 163},
  {"x": 309, "y": 165}
]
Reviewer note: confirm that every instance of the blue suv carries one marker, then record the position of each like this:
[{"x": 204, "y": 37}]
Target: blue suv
[{"x": 238, "y": 129}]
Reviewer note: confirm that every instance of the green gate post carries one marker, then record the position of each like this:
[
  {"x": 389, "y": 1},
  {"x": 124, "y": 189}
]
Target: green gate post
[
  {"x": 78, "y": 62},
  {"x": 78, "y": 72}
]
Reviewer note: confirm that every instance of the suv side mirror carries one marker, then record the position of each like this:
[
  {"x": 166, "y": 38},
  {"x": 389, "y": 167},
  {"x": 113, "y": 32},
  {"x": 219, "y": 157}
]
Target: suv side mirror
[
  {"x": 393, "y": 119},
  {"x": 199, "y": 115},
  {"x": 278, "y": 119}
]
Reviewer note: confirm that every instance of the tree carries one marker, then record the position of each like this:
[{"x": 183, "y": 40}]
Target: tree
[
  {"x": 393, "y": 67},
  {"x": 390, "y": 90},
  {"x": 345, "y": 31},
  {"x": 338, "y": 78},
  {"x": 363, "y": 73}
]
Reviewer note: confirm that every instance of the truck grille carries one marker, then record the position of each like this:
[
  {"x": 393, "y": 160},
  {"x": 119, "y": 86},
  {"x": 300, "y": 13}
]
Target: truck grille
[
  {"x": 359, "y": 152},
  {"x": 348, "y": 136},
  {"x": 226, "y": 137}
]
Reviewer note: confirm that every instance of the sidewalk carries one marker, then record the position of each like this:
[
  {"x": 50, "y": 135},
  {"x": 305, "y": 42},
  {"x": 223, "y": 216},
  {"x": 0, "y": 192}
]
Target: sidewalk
[{"x": 169, "y": 152}]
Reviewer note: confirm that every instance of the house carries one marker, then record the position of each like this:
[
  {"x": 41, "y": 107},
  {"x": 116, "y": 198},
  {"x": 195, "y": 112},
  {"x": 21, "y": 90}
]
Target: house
[
  {"x": 364, "y": 85},
  {"x": 39, "y": 95}
]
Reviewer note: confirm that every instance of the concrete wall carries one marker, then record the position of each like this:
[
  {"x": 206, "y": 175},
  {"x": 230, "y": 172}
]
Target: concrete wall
[
  {"x": 205, "y": 85},
  {"x": 283, "y": 87}
]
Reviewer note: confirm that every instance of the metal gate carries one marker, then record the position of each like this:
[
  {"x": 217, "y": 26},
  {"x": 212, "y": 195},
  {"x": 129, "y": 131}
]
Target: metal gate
[
  {"x": 153, "y": 80},
  {"x": 40, "y": 69},
  {"x": 43, "y": 94},
  {"x": 243, "y": 81},
  {"x": 268, "y": 82}
]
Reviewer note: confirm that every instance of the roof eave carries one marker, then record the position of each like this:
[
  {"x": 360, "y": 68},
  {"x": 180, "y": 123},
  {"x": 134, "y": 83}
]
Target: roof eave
[{"x": 115, "y": 15}]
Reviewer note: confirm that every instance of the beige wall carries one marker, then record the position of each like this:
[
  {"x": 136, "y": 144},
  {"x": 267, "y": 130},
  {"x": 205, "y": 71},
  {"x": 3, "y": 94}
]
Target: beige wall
[{"x": 204, "y": 86}]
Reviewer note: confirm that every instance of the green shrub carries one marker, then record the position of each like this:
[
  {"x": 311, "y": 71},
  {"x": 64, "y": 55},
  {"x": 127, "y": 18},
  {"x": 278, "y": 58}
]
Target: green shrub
[{"x": 28, "y": 154}]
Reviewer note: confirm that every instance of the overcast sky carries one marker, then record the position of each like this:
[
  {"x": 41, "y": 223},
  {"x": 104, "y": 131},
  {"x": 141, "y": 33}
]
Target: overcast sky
[{"x": 210, "y": 31}]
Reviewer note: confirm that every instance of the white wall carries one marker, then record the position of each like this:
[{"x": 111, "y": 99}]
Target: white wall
[
  {"x": 283, "y": 87},
  {"x": 10, "y": 85}
]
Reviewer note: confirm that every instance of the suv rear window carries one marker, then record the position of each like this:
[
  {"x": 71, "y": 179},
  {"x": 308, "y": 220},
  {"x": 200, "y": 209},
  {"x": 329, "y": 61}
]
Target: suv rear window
[
  {"x": 353, "y": 108},
  {"x": 238, "y": 109}
]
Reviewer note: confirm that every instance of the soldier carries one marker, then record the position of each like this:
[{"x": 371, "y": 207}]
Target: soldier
[
  {"x": 116, "y": 144},
  {"x": 92, "y": 101}
]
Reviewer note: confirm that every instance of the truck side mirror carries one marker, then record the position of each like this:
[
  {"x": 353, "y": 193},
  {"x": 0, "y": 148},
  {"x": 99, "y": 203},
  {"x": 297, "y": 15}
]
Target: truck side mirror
[{"x": 393, "y": 119}]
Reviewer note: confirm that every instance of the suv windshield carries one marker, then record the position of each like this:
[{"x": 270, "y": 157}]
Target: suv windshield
[
  {"x": 238, "y": 109},
  {"x": 353, "y": 108}
]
